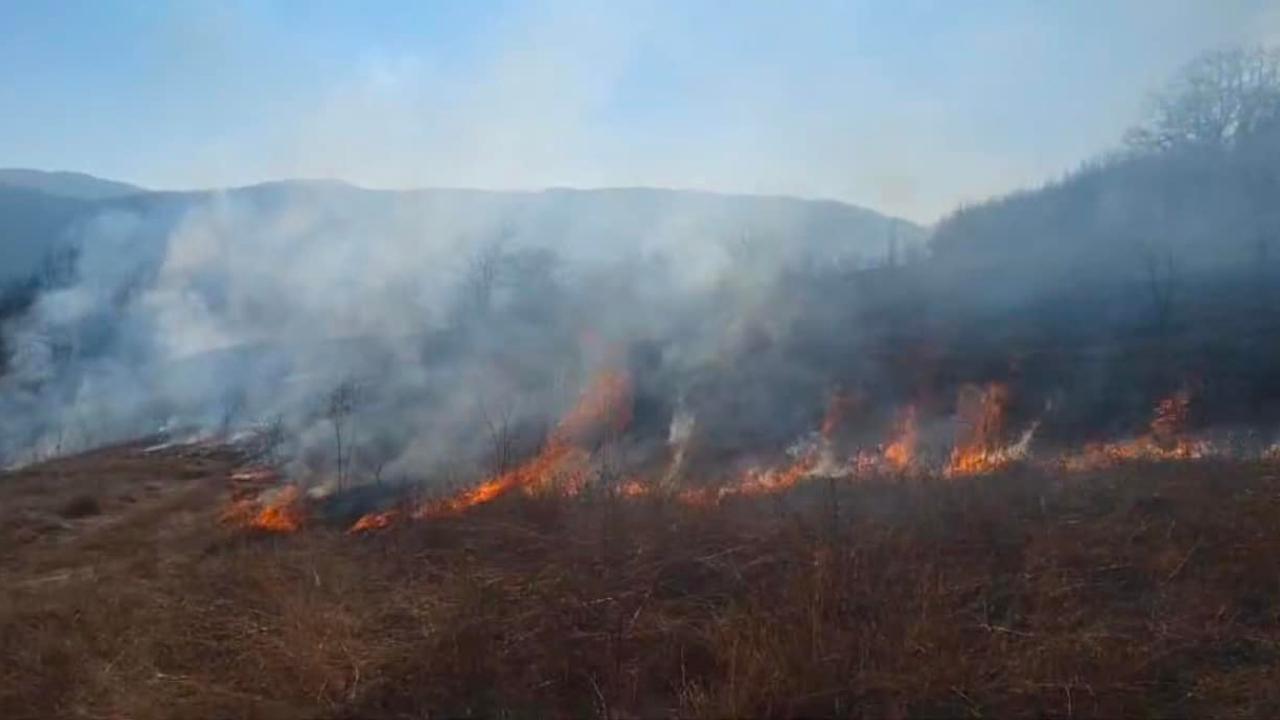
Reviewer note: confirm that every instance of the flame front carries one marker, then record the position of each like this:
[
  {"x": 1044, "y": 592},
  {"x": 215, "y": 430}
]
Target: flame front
[
  {"x": 605, "y": 406},
  {"x": 1169, "y": 419},
  {"x": 284, "y": 512},
  {"x": 529, "y": 474},
  {"x": 375, "y": 521},
  {"x": 814, "y": 456},
  {"x": 1166, "y": 439},
  {"x": 900, "y": 453},
  {"x": 839, "y": 403},
  {"x": 981, "y": 411}
]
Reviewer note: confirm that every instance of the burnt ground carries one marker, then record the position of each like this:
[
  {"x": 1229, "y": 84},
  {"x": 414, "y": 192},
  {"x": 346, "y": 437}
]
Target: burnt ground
[{"x": 1134, "y": 591}]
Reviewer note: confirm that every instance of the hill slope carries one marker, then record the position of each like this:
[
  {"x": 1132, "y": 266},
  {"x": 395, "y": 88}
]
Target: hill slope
[{"x": 32, "y": 225}]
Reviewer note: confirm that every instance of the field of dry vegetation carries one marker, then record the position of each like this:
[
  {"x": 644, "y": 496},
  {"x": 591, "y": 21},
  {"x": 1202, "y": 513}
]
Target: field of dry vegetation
[{"x": 1134, "y": 591}]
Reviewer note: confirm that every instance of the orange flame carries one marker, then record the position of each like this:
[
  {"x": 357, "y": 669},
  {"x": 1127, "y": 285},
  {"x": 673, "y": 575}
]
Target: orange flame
[
  {"x": 634, "y": 487},
  {"x": 901, "y": 450},
  {"x": 285, "y": 512},
  {"x": 527, "y": 475},
  {"x": 756, "y": 481},
  {"x": 701, "y": 497},
  {"x": 375, "y": 521},
  {"x": 1165, "y": 440},
  {"x": 981, "y": 411},
  {"x": 770, "y": 481},
  {"x": 839, "y": 403},
  {"x": 606, "y": 404},
  {"x": 1169, "y": 418}
]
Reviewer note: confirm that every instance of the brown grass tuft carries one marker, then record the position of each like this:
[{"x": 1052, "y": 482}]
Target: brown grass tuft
[{"x": 80, "y": 506}]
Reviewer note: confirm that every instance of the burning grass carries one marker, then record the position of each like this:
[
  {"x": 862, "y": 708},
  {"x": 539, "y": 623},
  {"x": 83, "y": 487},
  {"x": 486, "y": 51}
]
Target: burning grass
[{"x": 1139, "y": 589}]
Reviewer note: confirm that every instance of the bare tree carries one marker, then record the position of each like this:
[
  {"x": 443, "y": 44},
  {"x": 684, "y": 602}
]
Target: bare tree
[
  {"x": 339, "y": 406},
  {"x": 58, "y": 438},
  {"x": 498, "y": 424},
  {"x": 266, "y": 441},
  {"x": 1219, "y": 99},
  {"x": 375, "y": 452},
  {"x": 484, "y": 274}
]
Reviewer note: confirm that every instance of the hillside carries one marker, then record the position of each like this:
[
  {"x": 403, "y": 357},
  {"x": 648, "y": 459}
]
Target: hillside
[
  {"x": 1190, "y": 196},
  {"x": 33, "y": 225}
]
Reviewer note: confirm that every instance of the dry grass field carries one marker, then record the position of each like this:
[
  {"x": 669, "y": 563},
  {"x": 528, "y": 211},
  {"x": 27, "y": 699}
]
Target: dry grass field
[{"x": 1143, "y": 590}]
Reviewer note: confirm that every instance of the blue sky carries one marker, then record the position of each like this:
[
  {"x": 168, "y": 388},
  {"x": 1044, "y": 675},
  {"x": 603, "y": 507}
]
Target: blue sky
[{"x": 910, "y": 107}]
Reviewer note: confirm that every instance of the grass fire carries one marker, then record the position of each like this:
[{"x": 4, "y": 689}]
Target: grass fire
[{"x": 565, "y": 379}]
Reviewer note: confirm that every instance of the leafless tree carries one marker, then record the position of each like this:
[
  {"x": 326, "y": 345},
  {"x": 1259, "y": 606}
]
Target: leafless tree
[
  {"x": 340, "y": 404},
  {"x": 485, "y": 270},
  {"x": 374, "y": 453},
  {"x": 266, "y": 440},
  {"x": 58, "y": 438},
  {"x": 1219, "y": 99},
  {"x": 497, "y": 418}
]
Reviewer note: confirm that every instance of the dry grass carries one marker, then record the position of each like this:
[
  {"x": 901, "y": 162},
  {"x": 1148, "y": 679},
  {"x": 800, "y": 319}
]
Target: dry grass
[{"x": 1141, "y": 591}]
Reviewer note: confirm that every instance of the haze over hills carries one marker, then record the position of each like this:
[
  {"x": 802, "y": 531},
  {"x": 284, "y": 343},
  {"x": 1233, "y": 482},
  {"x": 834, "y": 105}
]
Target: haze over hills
[{"x": 42, "y": 211}]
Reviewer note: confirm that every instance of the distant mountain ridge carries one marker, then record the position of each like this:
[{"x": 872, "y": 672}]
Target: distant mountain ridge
[
  {"x": 43, "y": 212},
  {"x": 77, "y": 185}
]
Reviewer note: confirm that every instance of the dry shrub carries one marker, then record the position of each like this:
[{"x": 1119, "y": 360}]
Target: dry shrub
[{"x": 80, "y": 506}]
